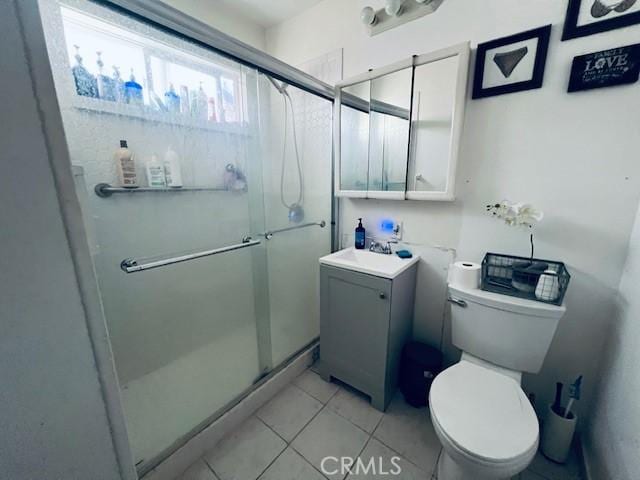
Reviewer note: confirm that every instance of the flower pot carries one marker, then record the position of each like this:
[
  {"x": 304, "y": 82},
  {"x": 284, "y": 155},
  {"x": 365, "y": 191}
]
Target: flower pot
[{"x": 557, "y": 435}]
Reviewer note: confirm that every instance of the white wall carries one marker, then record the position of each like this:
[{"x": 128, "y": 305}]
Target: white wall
[
  {"x": 613, "y": 433},
  {"x": 53, "y": 417},
  {"x": 570, "y": 155},
  {"x": 225, "y": 20}
]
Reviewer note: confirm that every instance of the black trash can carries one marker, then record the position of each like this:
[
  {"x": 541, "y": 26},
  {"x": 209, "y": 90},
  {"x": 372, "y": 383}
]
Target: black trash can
[{"x": 419, "y": 365}]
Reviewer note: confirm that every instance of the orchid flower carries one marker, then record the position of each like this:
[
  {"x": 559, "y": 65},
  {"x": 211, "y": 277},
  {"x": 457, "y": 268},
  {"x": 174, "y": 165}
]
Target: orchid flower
[{"x": 516, "y": 214}]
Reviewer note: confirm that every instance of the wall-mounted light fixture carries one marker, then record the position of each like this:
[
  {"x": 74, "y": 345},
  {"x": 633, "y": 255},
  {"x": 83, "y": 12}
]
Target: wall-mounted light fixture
[
  {"x": 395, "y": 13},
  {"x": 368, "y": 16},
  {"x": 393, "y": 7}
]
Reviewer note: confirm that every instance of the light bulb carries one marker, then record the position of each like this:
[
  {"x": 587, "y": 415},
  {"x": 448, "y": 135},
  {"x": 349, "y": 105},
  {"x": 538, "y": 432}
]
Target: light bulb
[
  {"x": 368, "y": 16},
  {"x": 393, "y": 7}
]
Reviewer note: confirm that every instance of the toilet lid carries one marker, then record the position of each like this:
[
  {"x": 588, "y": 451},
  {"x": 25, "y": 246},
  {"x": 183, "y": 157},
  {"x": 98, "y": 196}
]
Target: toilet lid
[{"x": 485, "y": 413}]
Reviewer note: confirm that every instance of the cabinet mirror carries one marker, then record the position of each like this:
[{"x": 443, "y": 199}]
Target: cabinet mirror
[
  {"x": 439, "y": 86},
  {"x": 354, "y": 138},
  {"x": 389, "y": 134},
  {"x": 398, "y": 128}
]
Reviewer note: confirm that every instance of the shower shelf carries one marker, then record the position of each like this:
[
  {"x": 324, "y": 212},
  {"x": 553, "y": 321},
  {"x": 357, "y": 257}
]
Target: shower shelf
[
  {"x": 147, "y": 114},
  {"x": 104, "y": 190}
]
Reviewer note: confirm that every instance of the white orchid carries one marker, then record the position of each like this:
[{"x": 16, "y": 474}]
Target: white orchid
[{"x": 516, "y": 214}]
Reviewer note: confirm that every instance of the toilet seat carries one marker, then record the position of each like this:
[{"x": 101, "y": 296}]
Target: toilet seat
[{"x": 484, "y": 415}]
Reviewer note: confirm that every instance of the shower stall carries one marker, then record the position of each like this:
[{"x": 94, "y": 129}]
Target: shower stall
[{"x": 210, "y": 286}]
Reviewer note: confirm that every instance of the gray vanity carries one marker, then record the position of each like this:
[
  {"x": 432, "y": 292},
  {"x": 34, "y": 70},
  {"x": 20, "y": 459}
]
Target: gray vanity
[{"x": 366, "y": 315}]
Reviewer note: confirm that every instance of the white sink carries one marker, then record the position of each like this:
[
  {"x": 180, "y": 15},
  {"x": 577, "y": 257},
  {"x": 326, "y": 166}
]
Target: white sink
[{"x": 364, "y": 261}]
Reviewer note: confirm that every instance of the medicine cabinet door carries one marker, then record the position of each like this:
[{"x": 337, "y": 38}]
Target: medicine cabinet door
[
  {"x": 353, "y": 144},
  {"x": 389, "y": 134},
  {"x": 439, "y": 88}
]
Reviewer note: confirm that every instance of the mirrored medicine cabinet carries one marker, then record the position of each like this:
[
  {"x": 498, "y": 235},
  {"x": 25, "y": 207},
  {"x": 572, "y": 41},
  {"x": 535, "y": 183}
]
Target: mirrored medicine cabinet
[{"x": 397, "y": 129}]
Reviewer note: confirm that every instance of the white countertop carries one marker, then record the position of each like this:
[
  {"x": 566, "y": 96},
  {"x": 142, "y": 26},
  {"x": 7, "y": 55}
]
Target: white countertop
[{"x": 364, "y": 261}]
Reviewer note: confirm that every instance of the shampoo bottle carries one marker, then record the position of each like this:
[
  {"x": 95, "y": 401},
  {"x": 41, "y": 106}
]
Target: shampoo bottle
[
  {"x": 125, "y": 166},
  {"x": 172, "y": 172},
  {"x": 360, "y": 235},
  {"x": 155, "y": 173}
]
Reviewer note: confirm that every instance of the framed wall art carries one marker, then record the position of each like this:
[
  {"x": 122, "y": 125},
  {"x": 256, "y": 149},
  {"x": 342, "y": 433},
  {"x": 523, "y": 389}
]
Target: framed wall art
[
  {"x": 608, "y": 68},
  {"x": 511, "y": 64},
  {"x": 586, "y": 17}
]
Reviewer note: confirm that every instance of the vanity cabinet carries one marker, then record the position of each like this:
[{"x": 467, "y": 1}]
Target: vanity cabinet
[
  {"x": 397, "y": 129},
  {"x": 365, "y": 321}
]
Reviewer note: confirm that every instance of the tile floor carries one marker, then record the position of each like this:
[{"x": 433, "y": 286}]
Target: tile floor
[{"x": 311, "y": 419}]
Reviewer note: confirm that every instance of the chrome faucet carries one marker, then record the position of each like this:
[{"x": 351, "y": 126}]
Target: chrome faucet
[{"x": 378, "y": 247}]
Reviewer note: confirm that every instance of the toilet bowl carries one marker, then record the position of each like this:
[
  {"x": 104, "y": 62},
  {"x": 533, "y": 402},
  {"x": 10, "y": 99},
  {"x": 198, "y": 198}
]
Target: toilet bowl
[{"x": 484, "y": 420}]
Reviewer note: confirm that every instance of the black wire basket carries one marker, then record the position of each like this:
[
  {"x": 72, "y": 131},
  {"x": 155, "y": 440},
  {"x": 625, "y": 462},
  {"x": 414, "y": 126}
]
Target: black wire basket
[{"x": 532, "y": 278}]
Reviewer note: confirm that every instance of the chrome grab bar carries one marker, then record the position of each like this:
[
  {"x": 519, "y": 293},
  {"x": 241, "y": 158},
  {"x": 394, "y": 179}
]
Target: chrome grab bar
[
  {"x": 457, "y": 301},
  {"x": 269, "y": 233},
  {"x": 104, "y": 190},
  {"x": 130, "y": 265}
]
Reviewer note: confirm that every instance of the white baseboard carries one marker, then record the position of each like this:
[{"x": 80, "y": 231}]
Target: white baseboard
[{"x": 204, "y": 441}]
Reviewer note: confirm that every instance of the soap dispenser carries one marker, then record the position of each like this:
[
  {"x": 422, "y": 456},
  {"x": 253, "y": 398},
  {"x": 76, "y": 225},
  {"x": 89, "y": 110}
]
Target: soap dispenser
[{"x": 360, "y": 235}]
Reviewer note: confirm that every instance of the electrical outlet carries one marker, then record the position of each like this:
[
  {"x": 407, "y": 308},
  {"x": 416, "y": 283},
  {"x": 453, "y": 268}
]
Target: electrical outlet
[{"x": 389, "y": 229}]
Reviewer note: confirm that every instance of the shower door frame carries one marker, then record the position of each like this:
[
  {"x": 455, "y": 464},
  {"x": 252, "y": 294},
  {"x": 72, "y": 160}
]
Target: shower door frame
[{"x": 182, "y": 25}]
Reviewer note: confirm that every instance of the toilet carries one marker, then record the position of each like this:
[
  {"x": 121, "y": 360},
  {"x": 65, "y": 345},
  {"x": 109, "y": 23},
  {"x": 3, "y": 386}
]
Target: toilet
[{"x": 481, "y": 415}]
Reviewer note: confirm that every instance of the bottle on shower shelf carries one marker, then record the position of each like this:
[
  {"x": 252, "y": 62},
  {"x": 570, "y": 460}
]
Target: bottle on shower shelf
[
  {"x": 106, "y": 85},
  {"x": 212, "y": 116},
  {"x": 133, "y": 91},
  {"x": 118, "y": 85},
  {"x": 172, "y": 100},
  {"x": 201, "y": 103},
  {"x": 155, "y": 173},
  {"x": 185, "y": 105},
  {"x": 86, "y": 84},
  {"x": 172, "y": 170},
  {"x": 125, "y": 166}
]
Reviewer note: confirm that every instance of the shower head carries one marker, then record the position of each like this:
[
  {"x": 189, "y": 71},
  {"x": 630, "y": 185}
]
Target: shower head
[
  {"x": 281, "y": 88},
  {"x": 296, "y": 210}
]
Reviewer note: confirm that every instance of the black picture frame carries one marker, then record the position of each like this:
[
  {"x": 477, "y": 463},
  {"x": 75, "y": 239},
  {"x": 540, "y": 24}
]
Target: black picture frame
[
  {"x": 607, "y": 68},
  {"x": 542, "y": 33},
  {"x": 572, "y": 30}
]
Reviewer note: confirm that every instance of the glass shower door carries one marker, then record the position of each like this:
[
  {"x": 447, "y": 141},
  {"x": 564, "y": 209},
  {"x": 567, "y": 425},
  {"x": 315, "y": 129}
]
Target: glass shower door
[
  {"x": 297, "y": 192},
  {"x": 189, "y": 337}
]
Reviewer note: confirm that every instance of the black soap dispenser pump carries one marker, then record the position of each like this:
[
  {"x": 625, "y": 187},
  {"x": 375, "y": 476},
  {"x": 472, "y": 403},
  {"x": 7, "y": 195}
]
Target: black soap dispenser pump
[{"x": 360, "y": 235}]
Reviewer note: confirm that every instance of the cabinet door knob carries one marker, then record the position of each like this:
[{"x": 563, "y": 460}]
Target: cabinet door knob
[{"x": 382, "y": 295}]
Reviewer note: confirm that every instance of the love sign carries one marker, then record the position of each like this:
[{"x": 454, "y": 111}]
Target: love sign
[{"x": 617, "y": 66}]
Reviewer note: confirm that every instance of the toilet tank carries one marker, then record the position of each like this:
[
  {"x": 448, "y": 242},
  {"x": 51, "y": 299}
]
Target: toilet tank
[{"x": 508, "y": 331}]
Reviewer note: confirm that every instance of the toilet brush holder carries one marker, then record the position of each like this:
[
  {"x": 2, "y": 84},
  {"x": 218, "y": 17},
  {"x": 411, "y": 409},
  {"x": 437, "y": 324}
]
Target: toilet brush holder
[{"x": 557, "y": 435}]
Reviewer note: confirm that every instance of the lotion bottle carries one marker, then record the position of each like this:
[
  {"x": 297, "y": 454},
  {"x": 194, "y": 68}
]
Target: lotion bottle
[
  {"x": 125, "y": 166},
  {"x": 172, "y": 171},
  {"x": 155, "y": 173}
]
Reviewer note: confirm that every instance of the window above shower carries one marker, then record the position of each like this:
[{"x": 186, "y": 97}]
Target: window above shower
[{"x": 114, "y": 68}]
